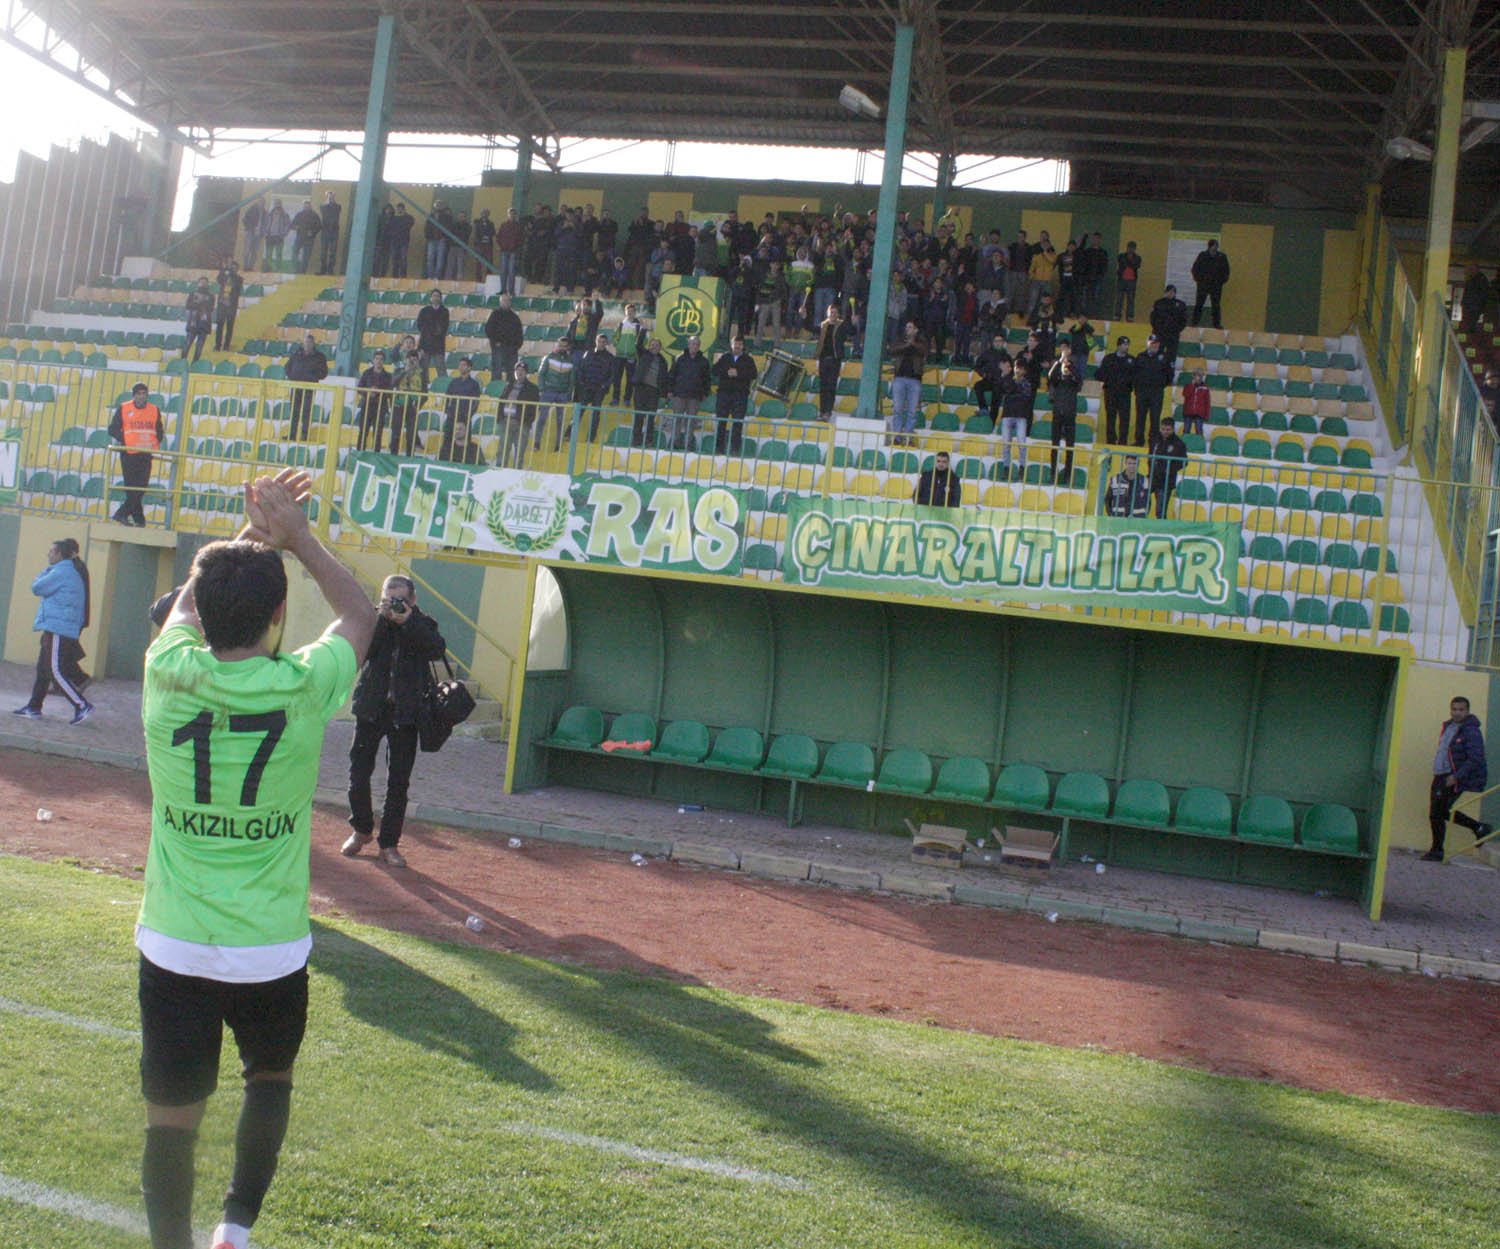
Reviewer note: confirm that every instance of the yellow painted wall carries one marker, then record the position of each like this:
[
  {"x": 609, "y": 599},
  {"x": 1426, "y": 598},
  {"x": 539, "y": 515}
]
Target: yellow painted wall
[
  {"x": 37, "y": 534},
  {"x": 1429, "y": 690},
  {"x": 664, "y": 205},
  {"x": 753, "y": 208},
  {"x": 501, "y": 602},
  {"x": 1150, "y": 236},
  {"x": 1057, "y": 225},
  {"x": 1249, "y": 285},
  {"x": 1340, "y": 280},
  {"x": 577, "y": 197},
  {"x": 495, "y": 198}
]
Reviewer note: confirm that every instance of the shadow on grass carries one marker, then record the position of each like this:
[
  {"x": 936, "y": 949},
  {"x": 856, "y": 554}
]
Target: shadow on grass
[{"x": 388, "y": 994}]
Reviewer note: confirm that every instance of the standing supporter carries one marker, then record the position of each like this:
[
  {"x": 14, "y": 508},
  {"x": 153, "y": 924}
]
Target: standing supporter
[
  {"x": 275, "y": 228},
  {"x": 1168, "y": 319},
  {"x": 136, "y": 426},
  {"x": 432, "y": 335},
  {"x": 596, "y": 374},
  {"x": 510, "y": 238},
  {"x": 61, "y": 618},
  {"x": 330, "y": 214},
  {"x": 734, "y": 374},
  {"x": 1039, "y": 274},
  {"x": 1017, "y": 269},
  {"x": 482, "y": 239},
  {"x": 640, "y": 238},
  {"x": 648, "y": 381},
  {"x": 1168, "y": 459},
  {"x": 1016, "y": 398},
  {"x": 1210, "y": 272},
  {"x": 408, "y": 386},
  {"x": 1153, "y": 374},
  {"x": 435, "y": 257},
  {"x": 374, "y": 393},
  {"x": 771, "y": 292},
  {"x": 965, "y": 318},
  {"x": 1064, "y": 379},
  {"x": 688, "y": 384},
  {"x": 1127, "y": 274},
  {"x": 1069, "y": 265},
  {"x": 505, "y": 333},
  {"x": 833, "y": 342},
  {"x": 401, "y": 225},
  {"x": 463, "y": 393},
  {"x": 518, "y": 405},
  {"x": 227, "y": 306},
  {"x": 1458, "y": 768},
  {"x": 382, "y": 258},
  {"x": 200, "y": 319},
  {"x": 987, "y": 369},
  {"x": 305, "y": 364},
  {"x": 308, "y": 225},
  {"x": 1095, "y": 266},
  {"x": 628, "y": 336},
  {"x": 253, "y": 223},
  {"x": 908, "y": 362},
  {"x": 234, "y": 733},
  {"x": 463, "y": 230},
  {"x": 555, "y": 381},
  {"x": 1197, "y": 403},
  {"x": 1116, "y": 376}
]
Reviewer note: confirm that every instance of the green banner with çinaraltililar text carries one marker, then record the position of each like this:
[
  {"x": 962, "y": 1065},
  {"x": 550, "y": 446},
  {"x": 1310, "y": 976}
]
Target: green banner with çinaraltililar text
[{"x": 875, "y": 546}]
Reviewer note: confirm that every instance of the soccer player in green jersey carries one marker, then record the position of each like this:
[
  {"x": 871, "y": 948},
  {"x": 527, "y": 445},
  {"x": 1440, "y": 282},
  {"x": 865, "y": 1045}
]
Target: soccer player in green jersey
[{"x": 234, "y": 732}]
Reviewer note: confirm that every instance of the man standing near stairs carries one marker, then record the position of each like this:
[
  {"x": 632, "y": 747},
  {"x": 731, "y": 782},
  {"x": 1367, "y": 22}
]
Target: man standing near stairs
[{"x": 387, "y": 697}]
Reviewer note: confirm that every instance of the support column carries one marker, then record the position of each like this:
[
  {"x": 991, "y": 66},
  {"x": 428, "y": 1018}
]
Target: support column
[
  {"x": 365, "y": 210},
  {"x": 1450, "y": 108},
  {"x": 161, "y": 195},
  {"x": 520, "y": 187},
  {"x": 885, "y": 221},
  {"x": 940, "y": 192}
]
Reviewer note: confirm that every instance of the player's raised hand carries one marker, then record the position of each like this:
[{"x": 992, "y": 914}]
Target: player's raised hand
[{"x": 273, "y": 507}]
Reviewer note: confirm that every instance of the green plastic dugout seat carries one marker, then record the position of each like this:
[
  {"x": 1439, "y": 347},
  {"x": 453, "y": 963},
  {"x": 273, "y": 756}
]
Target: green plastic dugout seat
[
  {"x": 1329, "y": 826},
  {"x": 964, "y": 779},
  {"x": 632, "y": 726},
  {"x": 1022, "y": 785},
  {"x": 1204, "y": 811},
  {"x": 1350, "y": 614},
  {"x": 739, "y": 749},
  {"x": 682, "y": 741},
  {"x": 1265, "y": 818},
  {"x": 848, "y": 763},
  {"x": 1310, "y": 611},
  {"x": 1267, "y": 548},
  {"x": 792, "y": 755},
  {"x": 761, "y": 558},
  {"x": 1143, "y": 802},
  {"x": 903, "y": 771},
  {"x": 1082, "y": 794},
  {"x": 579, "y": 727}
]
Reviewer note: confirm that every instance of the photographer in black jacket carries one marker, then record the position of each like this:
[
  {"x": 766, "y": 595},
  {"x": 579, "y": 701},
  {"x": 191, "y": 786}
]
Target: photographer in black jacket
[{"x": 387, "y": 697}]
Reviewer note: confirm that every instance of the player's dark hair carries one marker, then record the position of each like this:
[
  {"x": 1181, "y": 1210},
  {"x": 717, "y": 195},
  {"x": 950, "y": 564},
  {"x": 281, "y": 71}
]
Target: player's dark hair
[{"x": 237, "y": 587}]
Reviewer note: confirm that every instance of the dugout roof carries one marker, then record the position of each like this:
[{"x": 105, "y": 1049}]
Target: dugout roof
[{"x": 1170, "y": 97}]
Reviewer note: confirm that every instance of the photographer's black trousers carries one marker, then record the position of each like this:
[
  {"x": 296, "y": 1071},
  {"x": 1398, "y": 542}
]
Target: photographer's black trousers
[{"x": 400, "y": 755}]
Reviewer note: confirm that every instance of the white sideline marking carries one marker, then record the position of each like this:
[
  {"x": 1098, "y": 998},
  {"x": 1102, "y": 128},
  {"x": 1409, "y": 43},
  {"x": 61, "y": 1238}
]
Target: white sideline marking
[
  {"x": 725, "y": 1170},
  {"x": 10, "y": 1006},
  {"x": 25, "y": 1193}
]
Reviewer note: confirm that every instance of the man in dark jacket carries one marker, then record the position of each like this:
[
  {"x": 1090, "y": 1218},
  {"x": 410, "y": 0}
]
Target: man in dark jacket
[
  {"x": 463, "y": 393},
  {"x": 1095, "y": 264},
  {"x": 939, "y": 486},
  {"x": 432, "y": 335},
  {"x": 387, "y": 698},
  {"x": 1458, "y": 768},
  {"x": 1168, "y": 459},
  {"x": 1168, "y": 320},
  {"x": 400, "y": 230},
  {"x": 687, "y": 385},
  {"x": 648, "y": 379},
  {"x": 305, "y": 364},
  {"x": 505, "y": 333},
  {"x": 734, "y": 374},
  {"x": 1064, "y": 380},
  {"x": 987, "y": 383},
  {"x": 1127, "y": 274},
  {"x": 1153, "y": 374},
  {"x": 227, "y": 305},
  {"x": 200, "y": 319},
  {"x": 482, "y": 240},
  {"x": 1210, "y": 272},
  {"x": 374, "y": 393},
  {"x": 308, "y": 224},
  {"x": 1128, "y": 494},
  {"x": 1116, "y": 375},
  {"x": 330, "y": 214},
  {"x": 596, "y": 373}
]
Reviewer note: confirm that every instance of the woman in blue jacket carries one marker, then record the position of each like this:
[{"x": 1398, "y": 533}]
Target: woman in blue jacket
[{"x": 63, "y": 587}]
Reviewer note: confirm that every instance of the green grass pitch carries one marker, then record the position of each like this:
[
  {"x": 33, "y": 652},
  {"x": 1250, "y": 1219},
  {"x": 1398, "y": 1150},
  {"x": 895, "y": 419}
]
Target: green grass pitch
[{"x": 448, "y": 1096}]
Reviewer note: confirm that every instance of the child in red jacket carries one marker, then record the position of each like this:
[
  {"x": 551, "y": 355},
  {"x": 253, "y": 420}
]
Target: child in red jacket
[{"x": 1196, "y": 401}]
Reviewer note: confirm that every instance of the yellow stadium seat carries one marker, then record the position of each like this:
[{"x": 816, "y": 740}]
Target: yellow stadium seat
[
  {"x": 1188, "y": 511},
  {"x": 1330, "y": 407},
  {"x": 771, "y": 527},
  {"x": 897, "y": 487},
  {"x": 1370, "y": 529},
  {"x": 1261, "y": 520},
  {"x": 1345, "y": 584},
  {"x": 1269, "y": 577},
  {"x": 767, "y": 475},
  {"x": 1336, "y": 529},
  {"x": 1300, "y": 525},
  {"x": 798, "y": 477},
  {"x": 1364, "y": 411},
  {"x": 1386, "y": 587},
  {"x": 998, "y": 496},
  {"x": 1306, "y": 581},
  {"x": 1034, "y": 500},
  {"x": 1068, "y": 503},
  {"x": 863, "y": 483},
  {"x": 832, "y": 481},
  {"x": 1230, "y": 513},
  {"x": 1337, "y": 376},
  {"x": 674, "y": 464}
]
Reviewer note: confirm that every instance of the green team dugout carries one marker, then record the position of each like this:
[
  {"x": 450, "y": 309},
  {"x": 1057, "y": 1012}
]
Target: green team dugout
[{"x": 1177, "y": 750}]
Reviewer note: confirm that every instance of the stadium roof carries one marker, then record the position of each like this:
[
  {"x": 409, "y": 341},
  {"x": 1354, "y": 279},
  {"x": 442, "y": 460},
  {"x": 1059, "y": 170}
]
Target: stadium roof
[{"x": 1167, "y": 98}]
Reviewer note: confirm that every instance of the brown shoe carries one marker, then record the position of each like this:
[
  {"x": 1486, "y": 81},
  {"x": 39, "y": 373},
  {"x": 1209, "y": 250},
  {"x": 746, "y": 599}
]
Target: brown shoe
[
  {"x": 390, "y": 856},
  {"x": 356, "y": 843}
]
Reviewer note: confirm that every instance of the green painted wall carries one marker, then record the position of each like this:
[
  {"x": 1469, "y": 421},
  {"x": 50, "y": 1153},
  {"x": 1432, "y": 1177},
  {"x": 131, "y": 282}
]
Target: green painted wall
[
  {"x": 10, "y": 555},
  {"x": 1295, "y": 301},
  {"x": 132, "y": 591}
]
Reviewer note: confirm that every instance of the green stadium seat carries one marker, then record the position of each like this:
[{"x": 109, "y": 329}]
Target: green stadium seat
[
  {"x": 871, "y": 461},
  {"x": 1340, "y": 555},
  {"x": 1331, "y": 501},
  {"x": 1350, "y": 614},
  {"x": 1265, "y": 547},
  {"x": 848, "y": 763},
  {"x": 1245, "y": 418},
  {"x": 1334, "y": 427},
  {"x": 1303, "y": 551},
  {"x": 980, "y": 424},
  {"x": 904, "y": 462},
  {"x": 1227, "y": 492},
  {"x": 1224, "y": 444},
  {"x": 1256, "y": 447},
  {"x": 73, "y": 436},
  {"x": 1394, "y": 619},
  {"x": 1192, "y": 489},
  {"x": 1355, "y": 457},
  {"x": 963, "y": 779},
  {"x": 903, "y": 771},
  {"x": 806, "y": 453},
  {"x": 944, "y": 422},
  {"x": 1142, "y": 802},
  {"x": 1343, "y": 360},
  {"x": 771, "y": 410},
  {"x": 632, "y": 726},
  {"x": 738, "y": 749},
  {"x": 93, "y": 487},
  {"x": 1323, "y": 455},
  {"x": 1269, "y": 386},
  {"x": 1271, "y": 607},
  {"x": 1082, "y": 794},
  {"x": 1215, "y": 351},
  {"x": 1274, "y": 422},
  {"x": 1295, "y": 499},
  {"x": 1260, "y": 495},
  {"x": 1329, "y": 826},
  {"x": 70, "y": 484},
  {"x": 1204, "y": 811},
  {"x": 1303, "y": 423},
  {"x": 685, "y": 741},
  {"x": 1289, "y": 451},
  {"x": 99, "y": 438},
  {"x": 41, "y": 482},
  {"x": 1310, "y": 611},
  {"x": 1370, "y": 560},
  {"x": 792, "y": 755},
  {"x": 1023, "y": 786},
  {"x": 579, "y": 726},
  {"x": 1315, "y": 359},
  {"x": 1265, "y": 818},
  {"x": 803, "y": 412}
]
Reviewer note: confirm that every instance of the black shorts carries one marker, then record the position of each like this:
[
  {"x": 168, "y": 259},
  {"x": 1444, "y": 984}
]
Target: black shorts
[{"x": 182, "y": 1030}]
